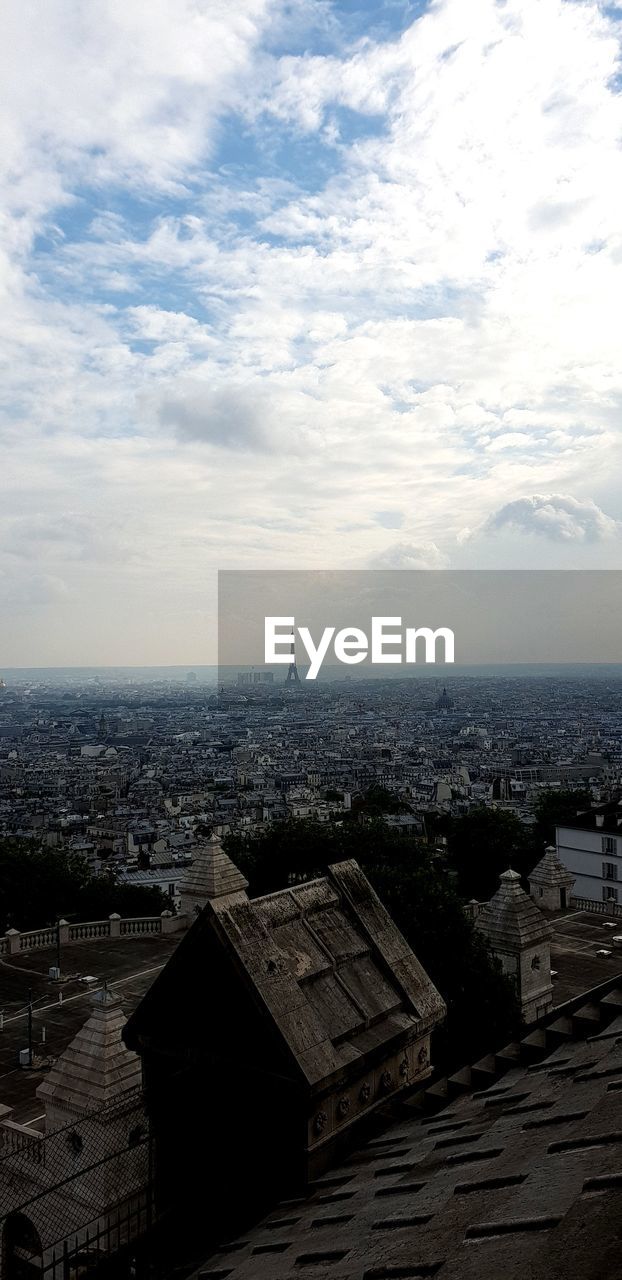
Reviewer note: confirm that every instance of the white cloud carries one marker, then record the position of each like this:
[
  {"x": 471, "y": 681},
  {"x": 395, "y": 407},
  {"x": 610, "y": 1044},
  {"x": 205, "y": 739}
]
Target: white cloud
[
  {"x": 556, "y": 516},
  {"x": 398, "y": 293},
  {"x": 406, "y": 555}
]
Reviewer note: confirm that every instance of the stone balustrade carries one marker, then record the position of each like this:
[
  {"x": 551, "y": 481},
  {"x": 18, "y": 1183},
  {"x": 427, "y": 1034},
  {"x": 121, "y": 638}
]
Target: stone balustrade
[
  {"x": 15, "y": 943},
  {"x": 609, "y": 908}
]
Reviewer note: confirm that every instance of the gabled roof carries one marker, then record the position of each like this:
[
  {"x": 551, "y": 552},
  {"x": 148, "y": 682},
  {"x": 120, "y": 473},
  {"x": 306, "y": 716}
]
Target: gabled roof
[
  {"x": 96, "y": 1067},
  {"x": 323, "y": 959},
  {"x": 511, "y": 920},
  {"x": 551, "y": 872}
]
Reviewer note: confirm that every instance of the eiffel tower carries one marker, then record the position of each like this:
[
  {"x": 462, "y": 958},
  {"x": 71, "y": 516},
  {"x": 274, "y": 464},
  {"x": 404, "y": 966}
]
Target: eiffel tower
[{"x": 292, "y": 671}]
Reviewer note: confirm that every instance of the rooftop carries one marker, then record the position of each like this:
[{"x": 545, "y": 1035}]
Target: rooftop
[
  {"x": 609, "y": 819},
  {"x": 512, "y": 1179},
  {"x": 324, "y": 957},
  {"x": 128, "y": 965}
]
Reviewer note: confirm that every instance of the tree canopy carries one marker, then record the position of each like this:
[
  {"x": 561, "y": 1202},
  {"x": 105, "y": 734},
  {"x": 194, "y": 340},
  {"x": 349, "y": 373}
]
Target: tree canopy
[
  {"x": 38, "y": 885},
  {"x": 484, "y": 843}
]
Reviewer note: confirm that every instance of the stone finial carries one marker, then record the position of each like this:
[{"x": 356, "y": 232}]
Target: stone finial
[{"x": 212, "y": 875}]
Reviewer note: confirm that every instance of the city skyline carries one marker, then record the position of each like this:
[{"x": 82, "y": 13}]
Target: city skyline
[{"x": 299, "y": 285}]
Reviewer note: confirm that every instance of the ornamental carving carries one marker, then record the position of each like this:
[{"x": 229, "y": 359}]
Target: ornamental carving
[
  {"x": 320, "y": 1122},
  {"x": 365, "y": 1092},
  {"x": 404, "y": 1067},
  {"x": 343, "y": 1106},
  {"x": 422, "y": 1058},
  {"x": 386, "y": 1081}
]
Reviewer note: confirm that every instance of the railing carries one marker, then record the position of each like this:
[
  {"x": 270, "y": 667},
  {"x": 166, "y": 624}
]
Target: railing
[
  {"x": 16, "y": 1139},
  {"x": 93, "y": 929},
  {"x": 36, "y": 939},
  {"x": 609, "y": 908},
  {"x": 142, "y": 924},
  {"x": 15, "y": 943}
]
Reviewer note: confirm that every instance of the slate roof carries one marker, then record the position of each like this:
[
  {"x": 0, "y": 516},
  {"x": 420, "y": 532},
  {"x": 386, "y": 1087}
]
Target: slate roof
[
  {"x": 585, "y": 820},
  {"x": 520, "y": 1179},
  {"x": 510, "y": 920},
  {"x": 323, "y": 959}
]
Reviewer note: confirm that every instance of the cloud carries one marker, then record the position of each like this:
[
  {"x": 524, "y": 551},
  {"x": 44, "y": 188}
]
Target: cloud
[
  {"x": 408, "y": 555},
  {"x": 267, "y": 286},
  {"x": 558, "y": 517}
]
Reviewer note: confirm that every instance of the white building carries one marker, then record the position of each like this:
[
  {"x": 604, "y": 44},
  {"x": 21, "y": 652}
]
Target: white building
[{"x": 591, "y": 849}]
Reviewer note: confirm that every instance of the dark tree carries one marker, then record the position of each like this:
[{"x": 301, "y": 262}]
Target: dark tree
[
  {"x": 484, "y": 843},
  {"x": 38, "y": 884},
  {"x": 554, "y": 808}
]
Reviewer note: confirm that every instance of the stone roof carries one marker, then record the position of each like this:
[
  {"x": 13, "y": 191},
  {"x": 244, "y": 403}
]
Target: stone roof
[
  {"x": 519, "y": 1177},
  {"x": 96, "y": 1067},
  {"x": 551, "y": 872},
  {"x": 323, "y": 959},
  {"x": 212, "y": 875},
  {"x": 510, "y": 920}
]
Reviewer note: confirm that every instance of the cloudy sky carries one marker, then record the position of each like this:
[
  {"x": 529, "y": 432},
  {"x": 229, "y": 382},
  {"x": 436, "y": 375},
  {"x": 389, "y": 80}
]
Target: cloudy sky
[{"x": 299, "y": 284}]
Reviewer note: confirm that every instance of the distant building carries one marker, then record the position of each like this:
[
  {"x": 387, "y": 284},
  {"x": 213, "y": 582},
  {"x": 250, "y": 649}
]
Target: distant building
[
  {"x": 444, "y": 702},
  {"x": 590, "y": 848}
]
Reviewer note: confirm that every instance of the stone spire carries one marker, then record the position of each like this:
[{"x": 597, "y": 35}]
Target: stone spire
[
  {"x": 521, "y": 938},
  {"x": 95, "y": 1069},
  {"x": 550, "y": 883},
  {"x": 212, "y": 875}
]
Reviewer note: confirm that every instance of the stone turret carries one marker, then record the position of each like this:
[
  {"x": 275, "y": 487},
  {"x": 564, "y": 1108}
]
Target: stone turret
[
  {"x": 95, "y": 1069},
  {"x": 550, "y": 883},
  {"x": 521, "y": 938},
  {"x": 212, "y": 875}
]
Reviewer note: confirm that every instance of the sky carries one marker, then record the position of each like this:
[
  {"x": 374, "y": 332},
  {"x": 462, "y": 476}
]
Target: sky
[{"x": 299, "y": 284}]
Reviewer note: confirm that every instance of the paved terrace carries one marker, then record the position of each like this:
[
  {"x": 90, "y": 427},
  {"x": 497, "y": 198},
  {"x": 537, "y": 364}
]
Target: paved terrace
[
  {"x": 578, "y": 936},
  {"x": 128, "y": 965}
]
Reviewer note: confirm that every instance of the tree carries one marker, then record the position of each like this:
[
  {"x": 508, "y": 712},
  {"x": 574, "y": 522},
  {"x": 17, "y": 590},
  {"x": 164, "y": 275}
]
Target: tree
[
  {"x": 378, "y": 800},
  {"x": 482, "y": 1007},
  {"x": 553, "y": 809},
  {"x": 38, "y": 884},
  {"x": 484, "y": 843}
]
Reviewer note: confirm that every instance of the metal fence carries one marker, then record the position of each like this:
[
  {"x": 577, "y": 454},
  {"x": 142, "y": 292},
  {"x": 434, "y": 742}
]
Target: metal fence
[{"x": 78, "y": 1201}]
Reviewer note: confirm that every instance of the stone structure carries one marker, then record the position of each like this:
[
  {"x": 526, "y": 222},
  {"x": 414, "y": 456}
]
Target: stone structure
[
  {"x": 550, "y": 883},
  {"x": 521, "y": 938},
  {"x": 94, "y": 1070},
  {"x": 512, "y": 1178},
  {"x": 81, "y": 1189},
  {"x": 283, "y": 1023},
  {"x": 212, "y": 875}
]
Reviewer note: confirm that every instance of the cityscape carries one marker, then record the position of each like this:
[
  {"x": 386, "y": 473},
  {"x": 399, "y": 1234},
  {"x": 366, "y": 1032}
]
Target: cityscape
[
  {"x": 310, "y": 619},
  {"x": 482, "y": 810}
]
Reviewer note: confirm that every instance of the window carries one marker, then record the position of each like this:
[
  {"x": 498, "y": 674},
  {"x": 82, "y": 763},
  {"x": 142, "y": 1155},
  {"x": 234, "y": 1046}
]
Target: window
[
  {"x": 171, "y": 888},
  {"x": 609, "y": 894},
  {"x": 609, "y": 844},
  {"x": 610, "y": 870}
]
